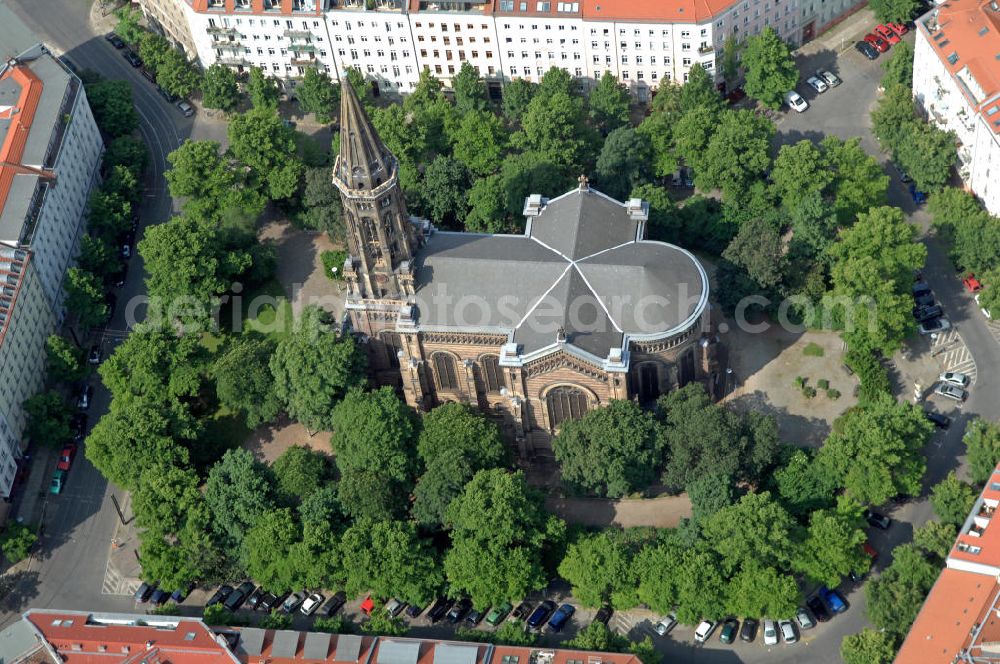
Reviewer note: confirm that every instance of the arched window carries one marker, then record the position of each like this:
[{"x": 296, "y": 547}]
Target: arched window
[
  {"x": 565, "y": 403},
  {"x": 492, "y": 373},
  {"x": 393, "y": 344},
  {"x": 444, "y": 370}
]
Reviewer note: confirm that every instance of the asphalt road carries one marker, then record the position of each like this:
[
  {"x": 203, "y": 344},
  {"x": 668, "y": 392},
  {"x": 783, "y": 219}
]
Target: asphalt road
[{"x": 79, "y": 523}]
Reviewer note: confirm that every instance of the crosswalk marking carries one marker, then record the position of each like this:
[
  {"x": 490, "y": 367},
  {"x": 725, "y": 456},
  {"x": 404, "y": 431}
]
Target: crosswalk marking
[
  {"x": 953, "y": 355},
  {"x": 116, "y": 584}
]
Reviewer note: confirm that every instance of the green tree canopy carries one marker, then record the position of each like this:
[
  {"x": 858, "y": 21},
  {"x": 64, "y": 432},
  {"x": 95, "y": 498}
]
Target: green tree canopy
[
  {"x": 858, "y": 182},
  {"x": 243, "y": 380},
  {"x": 800, "y": 170},
  {"x": 261, "y": 142},
  {"x": 318, "y": 95},
  {"x": 982, "y": 448},
  {"x": 624, "y": 162},
  {"x": 85, "y": 297},
  {"x": 894, "y": 119},
  {"x": 470, "y": 90},
  {"x": 480, "y": 142},
  {"x": 756, "y": 529},
  {"x": 262, "y": 89},
  {"x": 64, "y": 359},
  {"x": 300, "y": 472},
  {"x": 895, "y": 11},
  {"x": 869, "y": 646},
  {"x": 609, "y": 103},
  {"x": 758, "y": 590},
  {"x": 111, "y": 103},
  {"x": 599, "y": 567},
  {"x": 770, "y": 69},
  {"x": 321, "y": 203},
  {"x": 899, "y": 66},
  {"x": 388, "y": 559},
  {"x": 176, "y": 75},
  {"x": 220, "y": 89},
  {"x": 265, "y": 549},
  {"x": 455, "y": 430},
  {"x": 375, "y": 432},
  {"x": 952, "y": 499},
  {"x": 47, "y": 419},
  {"x": 238, "y": 492},
  {"x": 935, "y": 538},
  {"x": 760, "y": 250},
  {"x": 803, "y": 485},
  {"x": 516, "y": 96},
  {"x": 442, "y": 482},
  {"x": 832, "y": 547},
  {"x": 209, "y": 181},
  {"x": 738, "y": 153},
  {"x": 895, "y": 597},
  {"x": 446, "y": 182},
  {"x": 553, "y": 126}
]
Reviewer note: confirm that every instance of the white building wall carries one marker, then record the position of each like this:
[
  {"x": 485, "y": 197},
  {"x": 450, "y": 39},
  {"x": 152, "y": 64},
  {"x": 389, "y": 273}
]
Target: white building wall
[
  {"x": 376, "y": 42},
  {"x": 443, "y": 41},
  {"x": 531, "y": 45}
]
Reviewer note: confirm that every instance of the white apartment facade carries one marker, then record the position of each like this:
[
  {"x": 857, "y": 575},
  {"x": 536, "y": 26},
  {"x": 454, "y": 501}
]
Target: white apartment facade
[
  {"x": 956, "y": 80},
  {"x": 49, "y": 161},
  {"x": 642, "y": 42}
]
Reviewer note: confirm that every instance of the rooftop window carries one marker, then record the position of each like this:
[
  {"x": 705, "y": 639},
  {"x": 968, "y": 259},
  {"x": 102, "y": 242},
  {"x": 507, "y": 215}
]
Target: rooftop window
[{"x": 953, "y": 58}]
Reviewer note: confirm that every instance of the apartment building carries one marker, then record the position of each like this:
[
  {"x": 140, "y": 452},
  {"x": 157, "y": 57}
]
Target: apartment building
[
  {"x": 642, "y": 42},
  {"x": 956, "y": 80},
  {"x": 49, "y": 160},
  {"x": 169, "y": 18},
  {"x": 960, "y": 619}
]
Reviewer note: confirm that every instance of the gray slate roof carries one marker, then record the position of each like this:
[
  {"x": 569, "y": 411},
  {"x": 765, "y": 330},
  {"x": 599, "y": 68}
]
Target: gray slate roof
[{"x": 581, "y": 265}]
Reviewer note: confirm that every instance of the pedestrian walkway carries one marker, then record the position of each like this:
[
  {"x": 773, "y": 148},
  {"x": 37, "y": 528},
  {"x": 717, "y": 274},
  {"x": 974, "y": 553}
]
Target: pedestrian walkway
[{"x": 842, "y": 36}]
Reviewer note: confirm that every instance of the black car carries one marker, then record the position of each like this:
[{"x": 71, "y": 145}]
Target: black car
[
  {"x": 414, "y": 610},
  {"x": 923, "y": 314},
  {"x": 144, "y": 592},
  {"x": 924, "y": 300},
  {"x": 521, "y": 612},
  {"x": 169, "y": 96},
  {"x": 238, "y": 596},
  {"x": 112, "y": 301},
  {"x": 937, "y": 419},
  {"x": 866, "y": 50},
  {"x": 219, "y": 595},
  {"x": 459, "y": 609},
  {"x": 334, "y": 603},
  {"x": 749, "y": 630},
  {"x": 440, "y": 609},
  {"x": 476, "y": 616},
  {"x": 818, "y": 609},
  {"x": 79, "y": 425},
  {"x": 269, "y": 601},
  {"x": 132, "y": 58},
  {"x": 603, "y": 615},
  {"x": 540, "y": 614},
  {"x": 159, "y": 597},
  {"x": 878, "y": 520},
  {"x": 148, "y": 75},
  {"x": 115, "y": 40},
  {"x": 920, "y": 288},
  {"x": 254, "y": 599}
]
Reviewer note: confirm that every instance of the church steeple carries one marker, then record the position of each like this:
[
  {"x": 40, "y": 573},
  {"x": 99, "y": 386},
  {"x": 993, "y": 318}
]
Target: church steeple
[{"x": 380, "y": 237}]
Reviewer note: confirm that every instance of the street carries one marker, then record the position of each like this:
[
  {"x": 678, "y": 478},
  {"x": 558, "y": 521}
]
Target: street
[{"x": 79, "y": 524}]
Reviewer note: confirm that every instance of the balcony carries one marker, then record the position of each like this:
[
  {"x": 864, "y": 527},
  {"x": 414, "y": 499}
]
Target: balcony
[
  {"x": 298, "y": 34},
  {"x": 234, "y": 46},
  {"x": 705, "y": 49},
  {"x": 301, "y": 48},
  {"x": 215, "y": 30},
  {"x": 234, "y": 61},
  {"x": 986, "y": 512}
]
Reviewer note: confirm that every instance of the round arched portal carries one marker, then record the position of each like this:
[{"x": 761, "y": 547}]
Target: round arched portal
[{"x": 565, "y": 403}]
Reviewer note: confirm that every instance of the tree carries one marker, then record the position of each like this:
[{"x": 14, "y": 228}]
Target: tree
[
  {"x": 265, "y": 548},
  {"x": 244, "y": 382},
  {"x": 108, "y": 215},
  {"x": 85, "y": 297},
  {"x": 664, "y": 222},
  {"x": 470, "y": 90},
  {"x": 982, "y": 448},
  {"x": 609, "y": 103},
  {"x": 610, "y": 451},
  {"x": 163, "y": 501},
  {"x": 952, "y": 499},
  {"x": 122, "y": 182},
  {"x": 64, "y": 359},
  {"x": 374, "y": 432},
  {"x": 176, "y": 75},
  {"x": 927, "y": 154},
  {"x": 367, "y": 494},
  {"x": 738, "y": 153},
  {"x": 17, "y": 541},
  {"x": 128, "y": 151},
  {"x": 598, "y": 566},
  {"x": 445, "y": 183},
  {"x": 313, "y": 368},
  {"x": 872, "y": 262},
  {"x": 262, "y": 89},
  {"x": 832, "y": 548},
  {"x": 153, "y": 50},
  {"x": 261, "y": 142},
  {"x": 300, "y": 472},
  {"x": 899, "y": 66},
  {"x": 699, "y": 91},
  {"x": 321, "y": 201},
  {"x": 526, "y": 173},
  {"x": 730, "y": 64},
  {"x": 935, "y": 538},
  {"x": 480, "y": 142},
  {"x": 760, "y": 250},
  {"x": 387, "y": 559},
  {"x": 220, "y": 89},
  {"x": 454, "y": 430},
  {"x": 207, "y": 178},
  {"x": 381, "y": 623},
  {"x": 238, "y": 492},
  {"x": 758, "y": 590},
  {"x": 874, "y": 450},
  {"x": 895, "y": 597},
  {"x": 487, "y": 206},
  {"x": 516, "y": 96},
  {"x": 756, "y": 529},
  {"x": 155, "y": 365},
  {"x": 111, "y": 103},
  {"x": 799, "y": 171},
  {"x": 858, "y": 183},
  {"x": 869, "y": 646},
  {"x": 442, "y": 482},
  {"x": 624, "y": 161},
  {"x": 317, "y": 94},
  {"x": 48, "y": 419},
  {"x": 128, "y": 26},
  {"x": 691, "y": 135},
  {"x": 597, "y": 637},
  {"x": 557, "y": 80},
  {"x": 659, "y": 128},
  {"x": 553, "y": 126},
  {"x": 499, "y": 532},
  {"x": 770, "y": 69},
  {"x": 803, "y": 485},
  {"x": 894, "y": 119},
  {"x": 895, "y": 11}
]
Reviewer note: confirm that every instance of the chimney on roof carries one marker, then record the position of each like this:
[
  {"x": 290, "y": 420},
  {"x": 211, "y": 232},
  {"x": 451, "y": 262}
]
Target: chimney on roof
[
  {"x": 584, "y": 183},
  {"x": 533, "y": 205},
  {"x": 638, "y": 209},
  {"x": 149, "y": 645}
]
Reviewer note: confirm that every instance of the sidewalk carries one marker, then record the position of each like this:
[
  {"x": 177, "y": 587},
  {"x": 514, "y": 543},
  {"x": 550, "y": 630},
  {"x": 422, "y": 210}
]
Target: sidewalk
[{"x": 842, "y": 36}]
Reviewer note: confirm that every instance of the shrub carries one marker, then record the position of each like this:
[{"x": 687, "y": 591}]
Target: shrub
[
  {"x": 277, "y": 620},
  {"x": 800, "y": 382},
  {"x": 823, "y": 384},
  {"x": 809, "y": 392},
  {"x": 833, "y": 394},
  {"x": 813, "y": 349},
  {"x": 16, "y": 542},
  {"x": 334, "y": 625},
  {"x": 873, "y": 376},
  {"x": 333, "y": 259}
]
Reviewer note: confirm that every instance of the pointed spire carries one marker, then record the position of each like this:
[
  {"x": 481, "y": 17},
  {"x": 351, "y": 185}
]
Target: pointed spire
[{"x": 364, "y": 163}]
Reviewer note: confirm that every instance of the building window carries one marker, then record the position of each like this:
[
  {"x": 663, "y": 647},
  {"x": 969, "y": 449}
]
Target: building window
[
  {"x": 492, "y": 373},
  {"x": 565, "y": 403},
  {"x": 445, "y": 372}
]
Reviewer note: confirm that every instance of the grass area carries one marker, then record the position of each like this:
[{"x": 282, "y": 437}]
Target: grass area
[
  {"x": 333, "y": 259},
  {"x": 813, "y": 349},
  {"x": 274, "y": 321}
]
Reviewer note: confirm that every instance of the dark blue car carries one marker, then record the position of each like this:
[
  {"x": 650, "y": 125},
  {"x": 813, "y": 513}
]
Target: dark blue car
[
  {"x": 561, "y": 617},
  {"x": 541, "y": 612},
  {"x": 832, "y": 599},
  {"x": 918, "y": 196}
]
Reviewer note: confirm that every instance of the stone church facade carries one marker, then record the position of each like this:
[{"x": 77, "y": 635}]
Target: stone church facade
[{"x": 535, "y": 328}]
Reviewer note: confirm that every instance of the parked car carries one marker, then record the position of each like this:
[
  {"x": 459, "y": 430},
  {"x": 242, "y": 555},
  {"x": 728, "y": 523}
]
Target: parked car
[
  {"x": 877, "y": 42},
  {"x": 66, "y": 457},
  {"x": 795, "y": 101},
  {"x": 920, "y": 288},
  {"x": 955, "y": 378},
  {"x": 561, "y": 617},
  {"x": 144, "y": 592},
  {"x": 238, "y": 596},
  {"x": 869, "y": 52},
  {"x": 522, "y": 611},
  {"x": 925, "y": 300},
  {"x": 219, "y": 595},
  {"x": 887, "y": 34},
  {"x": 186, "y": 109},
  {"x": 729, "y": 630},
  {"x": 459, "y": 609},
  {"x": 922, "y": 314},
  {"x": 803, "y": 618},
  {"x": 335, "y": 603},
  {"x": 787, "y": 629},
  {"x": 832, "y": 599},
  {"x": 440, "y": 609},
  {"x": 476, "y": 616},
  {"x": 179, "y": 595},
  {"x": 269, "y": 601},
  {"x": 126, "y": 251},
  {"x": 394, "y": 607},
  {"x": 159, "y": 597},
  {"x": 770, "y": 633},
  {"x": 877, "y": 519},
  {"x": 254, "y": 600},
  {"x": 817, "y": 84},
  {"x": 58, "y": 482},
  {"x": 540, "y": 614},
  {"x": 704, "y": 630},
  {"x": 951, "y": 392},
  {"x": 169, "y": 96},
  {"x": 132, "y": 58},
  {"x": 292, "y": 602},
  {"x": 749, "y": 630},
  {"x": 666, "y": 624},
  {"x": 870, "y": 551},
  {"x": 971, "y": 283},
  {"x": 934, "y": 326},
  {"x": 311, "y": 604},
  {"x": 94, "y": 356},
  {"x": 899, "y": 28},
  {"x": 148, "y": 75},
  {"x": 84, "y": 396},
  {"x": 919, "y": 197},
  {"x": 937, "y": 419},
  {"x": 114, "y": 40},
  {"x": 79, "y": 425},
  {"x": 818, "y": 609},
  {"x": 603, "y": 615},
  {"x": 828, "y": 77},
  {"x": 497, "y": 615}
]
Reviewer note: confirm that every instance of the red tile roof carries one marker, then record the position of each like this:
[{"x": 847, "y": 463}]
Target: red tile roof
[
  {"x": 654, "y": 10},
  {"x": 21, "y": 116}
]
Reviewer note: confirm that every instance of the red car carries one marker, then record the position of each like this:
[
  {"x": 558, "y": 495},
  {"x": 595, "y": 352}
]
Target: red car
[
  {"x": 66, "y": 457},
  {"x": 877, "y": 43},
  {"x": 887, "y": 34},
  {"x": 971, "y": 283},
  {"x": 898, "y": 28},
  {"x": 869, "y": 551}
]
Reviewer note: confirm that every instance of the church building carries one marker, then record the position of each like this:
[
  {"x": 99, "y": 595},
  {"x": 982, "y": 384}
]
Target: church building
[{"x": 534, "y": 328}]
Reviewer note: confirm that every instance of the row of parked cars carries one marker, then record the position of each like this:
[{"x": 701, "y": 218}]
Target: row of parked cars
[
  {"x": 880, "y": 38},
  {"x": 133, "y": 59},
  {"x": 821, "y": 81}
]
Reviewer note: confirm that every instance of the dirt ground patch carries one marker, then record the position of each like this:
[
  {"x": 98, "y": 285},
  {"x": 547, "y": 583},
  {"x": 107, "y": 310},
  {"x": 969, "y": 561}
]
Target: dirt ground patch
[
  {"x": 300, "y": 268},
  {"x": 268, "y": 442},
  {"x": 662, "y": 512}
]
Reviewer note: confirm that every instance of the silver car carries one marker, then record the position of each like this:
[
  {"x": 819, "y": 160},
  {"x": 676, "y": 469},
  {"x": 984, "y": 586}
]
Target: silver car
[
  {"x": 803, "y": 618},
  {"x": 788, "y": 634},
  {"x": 828, "y": 77},
  {"x": 817, "y": 84},
  {"x": 954, "y": 378},
  {"x": 951, "y": 391},
  {"x": 770, "y": 633},
  {"x": 666, "y": 624},
  {"x": 934, "y": 326}
]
